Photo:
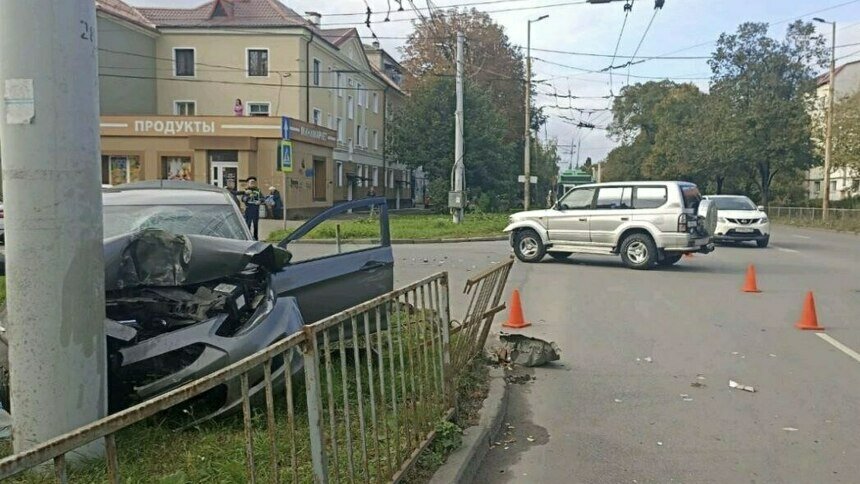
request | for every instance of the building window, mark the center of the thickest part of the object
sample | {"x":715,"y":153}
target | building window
{"x":184,"y":108}
{"x":329,"y":122}
{"x":375,"y":176}
{"x":366,"y":141}
{"x":176,"y":168}
{"x":832,"y":187}
{"x":183,"y":62}
{"x":317,"y":117}
{"x":258,"y":109}
{"x":350,"y":109}
{"x":120,"y":169}
{"x":375,"y":139}
{"x":340,"y":173}
{"x":338,"y":83}
{"x":855,"y":185}
{"x":816,"y":188}
{"x":360,"y":92}
{"x":316,"y":77}
{"x":339,"y":129}
{"x":376,"y":102}
{"x":358,"y":135}
{"x":258,"y":62}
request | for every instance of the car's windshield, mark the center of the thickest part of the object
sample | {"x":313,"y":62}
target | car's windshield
{"x":734,"y":203}
{"x":212,"y":220}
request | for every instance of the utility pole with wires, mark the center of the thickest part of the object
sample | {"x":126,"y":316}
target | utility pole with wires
{"x":527,"y":162}
{"x":828,"y":136}
{"x":49,"y":127}
{"x":458,"y":190}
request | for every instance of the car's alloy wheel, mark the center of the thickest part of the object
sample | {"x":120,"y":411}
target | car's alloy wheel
{"x":528,"y":246}
{"x":638,"y":251}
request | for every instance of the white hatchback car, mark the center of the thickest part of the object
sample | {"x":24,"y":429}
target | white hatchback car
{"x":740,"y":220}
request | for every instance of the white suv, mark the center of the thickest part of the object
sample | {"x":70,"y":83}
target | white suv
{"x":647,"y":223}
{"x":739,"y":220}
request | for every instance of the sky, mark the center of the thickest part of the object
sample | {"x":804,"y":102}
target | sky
{"x":682,"y":28}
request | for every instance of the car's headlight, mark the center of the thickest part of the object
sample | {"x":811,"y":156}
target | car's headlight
{"x":722,"y":220}
{"x":763,"y":220}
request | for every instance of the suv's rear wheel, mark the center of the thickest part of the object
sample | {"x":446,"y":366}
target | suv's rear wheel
{"x":638,"y":251}
{"x":528,"y":246}
{"x":670,"y":260}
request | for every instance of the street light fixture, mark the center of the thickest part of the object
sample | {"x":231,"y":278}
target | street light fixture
{"x":828,"y":136}
{"x":527,"y":170}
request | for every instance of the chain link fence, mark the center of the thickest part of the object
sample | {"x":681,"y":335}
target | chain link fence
{"x":837,"y":218}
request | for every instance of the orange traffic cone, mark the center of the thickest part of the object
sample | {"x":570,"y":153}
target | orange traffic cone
{"x":808,"y":318}
{"x":750,"y":284}
{"x":515,"y":317}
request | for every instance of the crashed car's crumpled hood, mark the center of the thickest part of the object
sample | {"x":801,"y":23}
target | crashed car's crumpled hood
{"x":155,"y":257}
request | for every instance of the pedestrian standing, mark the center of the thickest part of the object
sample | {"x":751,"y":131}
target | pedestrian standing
{"x":238,"y":108}
{"x":252,"y":198}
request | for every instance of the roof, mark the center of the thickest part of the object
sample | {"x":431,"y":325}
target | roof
{"x":229,"y":13}
{"x":339,"y":36}
{"x":824,"y":79}
{"x":124,"y":11}
{"x":165,"y":192}
{"x":381,"y":75}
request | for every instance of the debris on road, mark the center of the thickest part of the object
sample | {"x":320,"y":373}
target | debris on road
{"x":618,"y":400}
{"x":527,"y":351}
{"x":686,"y":397}
{"x":697,"y":384}
{"x":789,"y":429}
{"x":518,"y":379}
{"x":746,"y":388}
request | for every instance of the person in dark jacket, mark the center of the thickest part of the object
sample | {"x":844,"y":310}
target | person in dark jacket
{"x":253,"y":198}
{"x":274,"y":203}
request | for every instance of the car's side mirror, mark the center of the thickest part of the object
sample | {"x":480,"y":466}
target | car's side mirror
{"x":760,"y":208}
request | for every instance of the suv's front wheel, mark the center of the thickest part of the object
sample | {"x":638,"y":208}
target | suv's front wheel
{"x":528,"y":246}
{"x":638,"y":251}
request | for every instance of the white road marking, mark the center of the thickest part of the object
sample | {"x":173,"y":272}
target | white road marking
{"x":839,"y":346}
{"x":801,"y":236}
{"x":790,"y":251}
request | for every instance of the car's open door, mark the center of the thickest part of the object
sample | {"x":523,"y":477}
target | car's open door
{"x":327,"y":277}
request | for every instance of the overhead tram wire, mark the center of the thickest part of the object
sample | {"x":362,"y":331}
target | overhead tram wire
{"x":628,"y":7}
{"x":639,"y":46}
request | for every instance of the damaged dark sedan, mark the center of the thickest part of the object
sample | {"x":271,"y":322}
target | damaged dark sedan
{"x":188,"y":291}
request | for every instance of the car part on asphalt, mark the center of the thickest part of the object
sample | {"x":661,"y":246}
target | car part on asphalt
{"x":527,"y":351}
{"x":746,"y":388}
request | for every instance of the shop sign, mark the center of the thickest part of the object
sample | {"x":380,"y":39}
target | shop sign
{"x":171,"y":128}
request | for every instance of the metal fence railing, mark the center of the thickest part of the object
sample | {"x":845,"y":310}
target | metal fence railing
{"x":814,"y":214}
{"x":377,"y":379}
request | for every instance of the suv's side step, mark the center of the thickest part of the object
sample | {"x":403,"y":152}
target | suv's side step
{"x":579,"y":249}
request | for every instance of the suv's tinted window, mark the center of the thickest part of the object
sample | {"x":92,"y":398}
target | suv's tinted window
{"x":578,"y":199}
{"x":649,"y":197}
{"x":614,"y":198}
{"x":691,"y":196}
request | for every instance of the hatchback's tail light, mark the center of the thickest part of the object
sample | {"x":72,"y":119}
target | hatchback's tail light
{"x":682,"y":222}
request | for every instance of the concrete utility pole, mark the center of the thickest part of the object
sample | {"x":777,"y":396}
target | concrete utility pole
{"x":49,"y":130}
{"x":527,"y":155}
{"x":459,"y":166}
{"x":828,"y":136}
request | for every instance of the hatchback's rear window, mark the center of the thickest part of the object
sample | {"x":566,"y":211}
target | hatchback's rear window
{"x":692,"y":197}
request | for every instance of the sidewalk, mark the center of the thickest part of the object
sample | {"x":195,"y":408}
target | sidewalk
{"x":268,"y":225}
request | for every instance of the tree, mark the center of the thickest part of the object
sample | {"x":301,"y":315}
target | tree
{"x":767,"y":87}
{"x":421,"y":133}
{"x":491,"y":63}
{"x":846,"y":133}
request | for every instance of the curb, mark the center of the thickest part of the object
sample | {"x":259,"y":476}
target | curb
{"x":403,"y":241}
{"x":463,"y":464}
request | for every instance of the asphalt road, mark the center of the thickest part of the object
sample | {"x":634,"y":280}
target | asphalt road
{"x":605,"y":415}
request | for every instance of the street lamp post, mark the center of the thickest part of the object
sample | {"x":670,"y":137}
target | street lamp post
{"x":828,"y":136}
{"x":527,"y":169}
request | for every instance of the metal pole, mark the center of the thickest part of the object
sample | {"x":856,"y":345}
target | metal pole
{"x":828,"y":142}
{"x":599,"y":172}
{"x":337,"y":237}
{"x":49,"y":127}
{"x":459,"y":167}
{"x":527,"y":170}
